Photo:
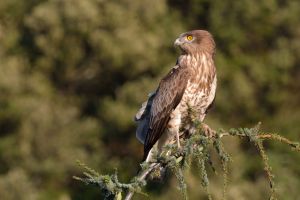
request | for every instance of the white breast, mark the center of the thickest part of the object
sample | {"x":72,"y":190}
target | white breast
{"x":196,"y":99}
{"x":201,"y":88}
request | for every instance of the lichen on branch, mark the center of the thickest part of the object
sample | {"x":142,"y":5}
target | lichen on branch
{"x":194,"y":149}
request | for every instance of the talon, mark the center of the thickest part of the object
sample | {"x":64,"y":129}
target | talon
{"x":179,"y":153}
{"x":208,"y":132}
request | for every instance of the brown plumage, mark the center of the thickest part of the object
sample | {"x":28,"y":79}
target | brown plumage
{"x":191,"y":83}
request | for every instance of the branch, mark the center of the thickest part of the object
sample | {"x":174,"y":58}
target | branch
{"x":142,"y":177}
{"x":248,"y":133}
{"x":196,"y":147}
{"x":269,"y":136}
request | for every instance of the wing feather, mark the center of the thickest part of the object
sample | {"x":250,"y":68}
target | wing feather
{"x":168,"y":96}
{"x":142,"y":118}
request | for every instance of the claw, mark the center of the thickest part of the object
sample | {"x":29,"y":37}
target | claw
{"x":208,"y":132}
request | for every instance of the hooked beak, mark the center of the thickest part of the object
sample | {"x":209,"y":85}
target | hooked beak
{"x":177,"y":42}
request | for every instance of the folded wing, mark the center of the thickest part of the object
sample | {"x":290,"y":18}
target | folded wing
{"x":166,"y":99}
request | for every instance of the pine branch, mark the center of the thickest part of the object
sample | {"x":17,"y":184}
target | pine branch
{"x":195,"y":148}
{"x":142,"y":177}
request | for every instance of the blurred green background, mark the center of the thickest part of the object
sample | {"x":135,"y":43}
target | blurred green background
{"x":74,"y":72}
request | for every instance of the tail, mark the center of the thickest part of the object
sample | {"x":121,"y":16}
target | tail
{"x":142,"y":118}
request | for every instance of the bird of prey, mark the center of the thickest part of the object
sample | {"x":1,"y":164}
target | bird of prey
{"x":190,"y":84}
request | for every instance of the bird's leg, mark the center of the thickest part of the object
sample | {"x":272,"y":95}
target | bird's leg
{"x":174,"y":125}
{"x":177,"y":139}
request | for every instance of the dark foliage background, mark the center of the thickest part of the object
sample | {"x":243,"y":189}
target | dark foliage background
{"x":73,"y":73}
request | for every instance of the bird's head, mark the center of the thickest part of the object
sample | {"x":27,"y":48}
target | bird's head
{"x":194,"y":41}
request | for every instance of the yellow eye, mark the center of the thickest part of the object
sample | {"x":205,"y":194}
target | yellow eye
{"x":189,"y":37}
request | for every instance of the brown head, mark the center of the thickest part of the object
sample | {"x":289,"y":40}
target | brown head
{"x":196,"y":41}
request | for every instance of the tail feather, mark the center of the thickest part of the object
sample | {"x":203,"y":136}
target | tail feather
{"x":143,"y":118}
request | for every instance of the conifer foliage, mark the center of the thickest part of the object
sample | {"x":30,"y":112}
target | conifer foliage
{"x":74,"y":72}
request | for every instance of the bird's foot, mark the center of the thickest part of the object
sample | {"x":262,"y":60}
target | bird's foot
{"x":158,"y":174}
{"x":208,"y":132}
{"x":179,"y":152}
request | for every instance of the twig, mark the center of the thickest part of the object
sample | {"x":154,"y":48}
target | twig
{"x":270,"y":136}
{"x":263,"y":136}
{"x":143,"y":175}
{"x":193,"y":149}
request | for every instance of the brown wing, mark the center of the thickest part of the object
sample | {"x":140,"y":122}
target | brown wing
{"x":168,"y":96}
